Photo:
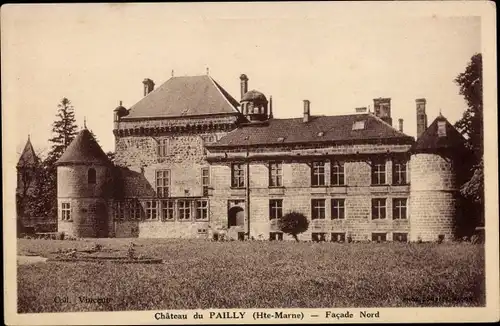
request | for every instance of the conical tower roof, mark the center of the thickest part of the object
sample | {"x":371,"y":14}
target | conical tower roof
{"x":84,"y":149}
{"x":440,"y":135}
{"x":28,"y":157}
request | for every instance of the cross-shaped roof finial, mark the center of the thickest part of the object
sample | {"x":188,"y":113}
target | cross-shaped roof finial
{"x":85,"y":122}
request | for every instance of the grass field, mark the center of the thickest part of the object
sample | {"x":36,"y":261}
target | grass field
{"x":201,"y":274}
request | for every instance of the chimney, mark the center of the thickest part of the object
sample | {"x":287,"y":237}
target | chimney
{"x":149,"y":85}
{"x":270,"y":107}
{"x":400,"y":125}
{"x":382,"y":109}
{"x":307,"y":111}
{"x":361,"y":110}
{"x":421,"y":116}
{"x":244,"y":84}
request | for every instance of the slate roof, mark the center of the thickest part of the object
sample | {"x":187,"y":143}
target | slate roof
{"x":28,"y":157}
{"x":429,"y":140}
{"x":84,"y":149}
{"x":185,"y":96}
{"x":319,"y":129}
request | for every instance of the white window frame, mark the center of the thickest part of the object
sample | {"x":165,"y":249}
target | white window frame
{"x":318,"y":205}
{"x":318,"y":174}
{"x":167,"y":210}
{"x":379,"y":173}
{"x":400,"y":205}
{"x":275,"y":209}
{"x":202,"y":210}
{"x":162,"y":181}
{"x":275,"y":174}
{"x":338,"y":205}
{"x":338,"y":173}
{"x":399,"y":174}
{"x":151,"y":210}
{"x":184,"y":210}
{"x":66,"y":211}
{"x":163,"y":147}
{"x":379,"y":208}
{"x":237,"y":175}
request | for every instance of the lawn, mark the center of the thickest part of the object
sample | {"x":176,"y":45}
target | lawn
{"x":254,"y":274}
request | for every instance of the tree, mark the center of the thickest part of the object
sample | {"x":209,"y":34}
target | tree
{"x":293,"y":223}
{"x":64,"y":129}
{"x":470,"y":125}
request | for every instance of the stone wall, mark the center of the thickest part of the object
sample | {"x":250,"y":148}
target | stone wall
{"x":434,"y":195}
{"x":297,"y":193}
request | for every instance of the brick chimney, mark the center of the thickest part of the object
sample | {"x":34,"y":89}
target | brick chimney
{"x":149,"y":85}
{"x":421,"y":116}
{"x":400,"y":125}
{"x":243,"y":84}
{"x":382,"y":108}
{"x":307,"y":110}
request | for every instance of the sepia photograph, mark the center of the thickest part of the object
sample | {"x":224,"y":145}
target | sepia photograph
{"x":249,"y":162}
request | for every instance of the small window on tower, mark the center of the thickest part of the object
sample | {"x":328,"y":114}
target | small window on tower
{"x":92,"y":176}
{"x":358,"y":125}
{"x":441,"y":128}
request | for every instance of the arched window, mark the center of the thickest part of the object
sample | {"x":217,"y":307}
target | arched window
{"x":91,"y":176}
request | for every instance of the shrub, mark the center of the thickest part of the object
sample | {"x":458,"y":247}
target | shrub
{"x":293,"y":223}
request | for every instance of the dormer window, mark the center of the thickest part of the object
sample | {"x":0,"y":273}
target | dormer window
{"x":320,"y":134}
{"x":281,"y":139}
{"x":441,"y":129}
{"x":358,"y":125}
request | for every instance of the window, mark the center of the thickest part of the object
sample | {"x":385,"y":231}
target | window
{"x":136,"y":211}
{"x":318,"y":174}
{"x":399,"y":172}
{"x":237,"y":176}
{"x":441,"y":129}
{"x":318,"y":209}
{"x":338,"y":174}
{"x":92,"y":176}
{"x":275,"y":175}
{"x":399,"y":208}
{"x":338,"y":209}
{"x":378,"y":208}
{"x":275,"y":209}
{"x":318,"y":236}
{"x":167,"y":210}
{"x":358,"y":125}
{"x":119,"y":210}
{"x":400,"y":237}
{"x":162,"y":183}
{"x":163,"y":148}
{"x":65,"y":211}
{"x":184,"y":210}
{"x":202,"y":209}
{"x":276,"y":236}
{"x":378,"y":173}
{"x":338,"y":237}
{"x":379,"y":237}
{"x":205,"y":177}
{"x":151,"y":210}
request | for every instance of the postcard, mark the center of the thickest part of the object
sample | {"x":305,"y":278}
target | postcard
{"x":246,"y":163}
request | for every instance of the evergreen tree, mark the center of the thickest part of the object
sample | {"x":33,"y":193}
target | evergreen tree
{"x":64,"y":129}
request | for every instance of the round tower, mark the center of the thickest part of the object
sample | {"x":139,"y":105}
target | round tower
{"x":434,"y":187}
{"x":83,"y":184}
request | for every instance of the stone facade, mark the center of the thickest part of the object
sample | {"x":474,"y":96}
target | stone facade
{"x":173,"y":177}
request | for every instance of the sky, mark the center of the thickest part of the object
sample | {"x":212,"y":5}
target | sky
{"x":336,"y":55}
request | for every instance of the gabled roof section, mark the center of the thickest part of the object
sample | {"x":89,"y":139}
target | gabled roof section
{"x":434,"y":139}
{"x":28,"y":157}
{"x":319,"y":129}
{"x":185,"y":96}
{"x":84,"y":149}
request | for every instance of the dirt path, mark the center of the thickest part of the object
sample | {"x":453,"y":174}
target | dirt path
{"x":26,"y":260}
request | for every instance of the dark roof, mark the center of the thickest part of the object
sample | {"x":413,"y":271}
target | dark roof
{"x":254,"y":95}
{"x":429,"y":140}
{"x":28,"y":157}
{"x":185,"y":96}
{"x":84,"y":149}
{"x":319,"y":129}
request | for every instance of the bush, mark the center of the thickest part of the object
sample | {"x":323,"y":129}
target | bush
{"x":293,"y":223}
